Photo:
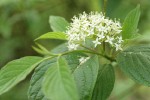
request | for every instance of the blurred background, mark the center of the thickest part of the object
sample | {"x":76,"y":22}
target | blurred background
{"x":21,"y":21}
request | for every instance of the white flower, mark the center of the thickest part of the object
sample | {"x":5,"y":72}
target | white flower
{"x":118,"y":46}
{"x":109,"y":39}
{"x":101,"y":35}
{"x":72,"y":46}
{"x":83,"y":60}
{"x":90,"y":32}
{"x":96,"y":27}
{"x":120,"y":39}
{"x":96,"y":42}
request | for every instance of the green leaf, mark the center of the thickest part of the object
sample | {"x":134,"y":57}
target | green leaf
{"x":85,"y":76}
{"x":58,"y":24}
{"x":53,"y":35}
{"x":58,"y":83}
{"x":73,"y":60}
{"x":60,"y":48}
{"x":35,"y":89}
{"x":15,"y":71}
{"x":41,"y":50}
{"x":130,"y":24}
{"x":135,"y":62}
{"x":35,"y":92}
{"x":105,"y":83}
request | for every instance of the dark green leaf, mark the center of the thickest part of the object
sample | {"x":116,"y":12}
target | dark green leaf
{"x":59,"y":49}
{"x":105,"y":83}
{"x":135,"y":62}
{"x":73,"y":60}
{"x":58,"y":24}
{"x":58,"y":83}
{"x":53,"y":35}
{"x":130,"y":24}
{"x":85,"y":77}
{"x":15,"y":71}
{"x":35,"y":89}
{"x":35,"y":92}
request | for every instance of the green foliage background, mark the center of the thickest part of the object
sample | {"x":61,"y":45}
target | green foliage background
{"x":21,"y":21}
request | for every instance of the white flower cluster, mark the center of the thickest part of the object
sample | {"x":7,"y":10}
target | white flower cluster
{"x":95,"y":26}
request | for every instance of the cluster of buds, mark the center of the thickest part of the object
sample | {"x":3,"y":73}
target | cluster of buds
{"x":96,"y":27}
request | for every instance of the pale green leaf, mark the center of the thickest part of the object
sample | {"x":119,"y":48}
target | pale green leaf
{"x":130,"y":24}
{"x":85,"y":76}
{"x":135,"y":62}
{"x":58,"y":83}
{"x":58,"y":24}
{"x":41,"y":50}
{"x":105,"y":83}
{"x":15,"y":71}
{"x":53,"y":35}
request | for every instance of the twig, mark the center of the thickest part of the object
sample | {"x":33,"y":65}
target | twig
{"x":104,"y":6}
